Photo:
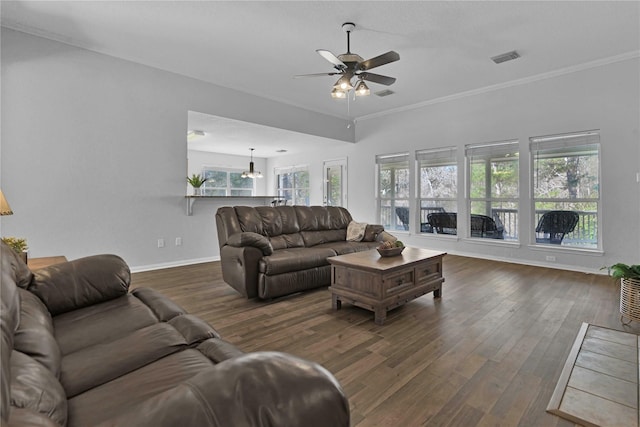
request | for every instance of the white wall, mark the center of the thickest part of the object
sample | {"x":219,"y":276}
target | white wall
{"x":93,"y":155}
{"x":605,"y":98}
{"x":93,"y":152}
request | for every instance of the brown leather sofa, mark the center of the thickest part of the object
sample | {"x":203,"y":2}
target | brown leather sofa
{"x":268,"y":252}
{"x":79,"y":349}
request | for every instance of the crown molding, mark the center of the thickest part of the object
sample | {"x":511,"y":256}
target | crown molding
{"x":518,"y":82}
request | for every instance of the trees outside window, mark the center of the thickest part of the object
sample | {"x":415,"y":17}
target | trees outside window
{"x":566,"y":177}
{"x":393,"y":190}
{"x":437,"y":183}
{"x":225,"y":182}
{"x":493,"y":188}
{"x":292,"y":184}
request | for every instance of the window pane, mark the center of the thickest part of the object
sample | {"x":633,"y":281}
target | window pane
{"x":438,"y":181}
{"x":385,"y":186}
{"x":493,"y":190}
{"x":566,"y":189}
{"x":214,"y":192}
{"x":504,"y":178}
{"x":237,"y":181}
{"x":216,"y":178}
{"x":301,"y":179}
{"x":241,"y":192}
{"x":566,"y":177}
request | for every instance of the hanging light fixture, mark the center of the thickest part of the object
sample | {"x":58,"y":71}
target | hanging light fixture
{"x":251,"y":173}
{"x":362,"y":89}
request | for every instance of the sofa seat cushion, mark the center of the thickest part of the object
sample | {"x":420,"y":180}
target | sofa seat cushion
{"x":93,"y":366}
{"x":128,"y":391}
{"x":101,"y":323}
{"x":341,"y":248}
{"x":295,"y":259}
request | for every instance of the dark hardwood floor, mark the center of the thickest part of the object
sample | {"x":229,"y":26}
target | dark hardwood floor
{"x":488,"y":353}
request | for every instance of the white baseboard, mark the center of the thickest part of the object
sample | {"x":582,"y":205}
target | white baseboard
{"x":150,"y":267}
{"x":532,"y":263}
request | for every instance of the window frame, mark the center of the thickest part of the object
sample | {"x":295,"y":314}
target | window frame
{"x":401,"y":159}
{"x":494,"y":150}
{"x":579,"y":142}
{"x":434,"y":157}
{"x":228,"y":189}
{"x":294,"y":190}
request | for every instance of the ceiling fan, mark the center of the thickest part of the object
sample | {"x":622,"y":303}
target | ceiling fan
{"x":351,"y":65}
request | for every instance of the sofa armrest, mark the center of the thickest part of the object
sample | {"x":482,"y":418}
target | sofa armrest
{"x":253,"y":390}
{"x":240,"y":268}
{"x":247,"y":238}
{"x":80,"y":283}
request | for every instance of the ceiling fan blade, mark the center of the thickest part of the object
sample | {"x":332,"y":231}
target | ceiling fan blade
{"x":377,"y":78}
{"x":316,"y":75}
{"x":331,"y":58}
{"x":379,"y":60}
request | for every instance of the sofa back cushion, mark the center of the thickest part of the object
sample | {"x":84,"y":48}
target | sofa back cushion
{"x":35,"y":388}
{"x":320,"y":224}
{"x":249,"y":219}
{"x":9,"y":319}
{"x":35,"y":336}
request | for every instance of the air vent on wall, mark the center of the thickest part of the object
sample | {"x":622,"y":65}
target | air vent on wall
{"x":385,"y":92}
{"x":505,"y":57}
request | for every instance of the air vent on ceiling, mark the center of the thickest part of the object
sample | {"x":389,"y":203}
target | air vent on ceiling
{"x":385,"y":92}
{"x":505,"y":57}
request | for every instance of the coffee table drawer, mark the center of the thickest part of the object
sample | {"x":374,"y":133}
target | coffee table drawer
{"x":398,"y":282}
{"x":428,"y":271}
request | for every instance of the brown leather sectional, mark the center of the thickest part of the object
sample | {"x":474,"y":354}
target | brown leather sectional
{"x":79,"y":349}
{"x":268,"y":252}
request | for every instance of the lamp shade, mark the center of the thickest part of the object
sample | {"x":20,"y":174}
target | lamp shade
{"x":5,"y":209}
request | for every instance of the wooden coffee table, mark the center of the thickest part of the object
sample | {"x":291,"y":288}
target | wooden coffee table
{"x":379,"y":284}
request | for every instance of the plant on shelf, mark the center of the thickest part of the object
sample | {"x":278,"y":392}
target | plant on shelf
{"x":196,"y":182}
{"x":18,"y":245}
{"x":629,"y":276}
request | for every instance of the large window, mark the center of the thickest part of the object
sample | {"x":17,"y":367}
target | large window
{"x":393,"y":191}
{"x":225,"y":182}
{"x":437,"y":183}
{"x":566,"y":189}
{"x":292,"y":185}
{"x":493,"y":189}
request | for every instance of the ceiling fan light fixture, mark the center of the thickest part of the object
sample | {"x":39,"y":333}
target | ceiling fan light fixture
{"x":362,"y":89}
{"x":338,"y":93}
{"x":344,"y":83}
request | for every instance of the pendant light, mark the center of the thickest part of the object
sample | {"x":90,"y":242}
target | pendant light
{"x":251,"y":173}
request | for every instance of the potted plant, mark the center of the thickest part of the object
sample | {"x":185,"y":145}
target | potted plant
{"x":196,"y":182}
{"x":629,"y":276}
{"x":18,"y":245}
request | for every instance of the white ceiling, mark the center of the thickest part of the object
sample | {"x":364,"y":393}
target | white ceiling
{"x":258,"y":46}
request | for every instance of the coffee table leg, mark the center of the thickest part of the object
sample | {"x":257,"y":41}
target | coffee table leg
{"x":380,"y":314}
{"x":336,"y":304}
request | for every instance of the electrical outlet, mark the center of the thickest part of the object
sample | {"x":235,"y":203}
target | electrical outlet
{"x":161,"y":243}
{"x":178,"y":241}
{"x":551,"y":258}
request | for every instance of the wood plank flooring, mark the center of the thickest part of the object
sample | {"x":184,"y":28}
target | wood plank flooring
{"x":488,"y":353}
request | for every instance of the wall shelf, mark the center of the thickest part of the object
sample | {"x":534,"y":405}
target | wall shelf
{"x":191,"y":200}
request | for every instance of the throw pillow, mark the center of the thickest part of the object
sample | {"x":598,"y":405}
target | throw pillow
{"x":371,"y":232}
{"x":355,"y":231}
{"x":386,"y":237}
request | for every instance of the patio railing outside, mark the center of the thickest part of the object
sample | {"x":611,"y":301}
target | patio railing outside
{"x":585,"y":234}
